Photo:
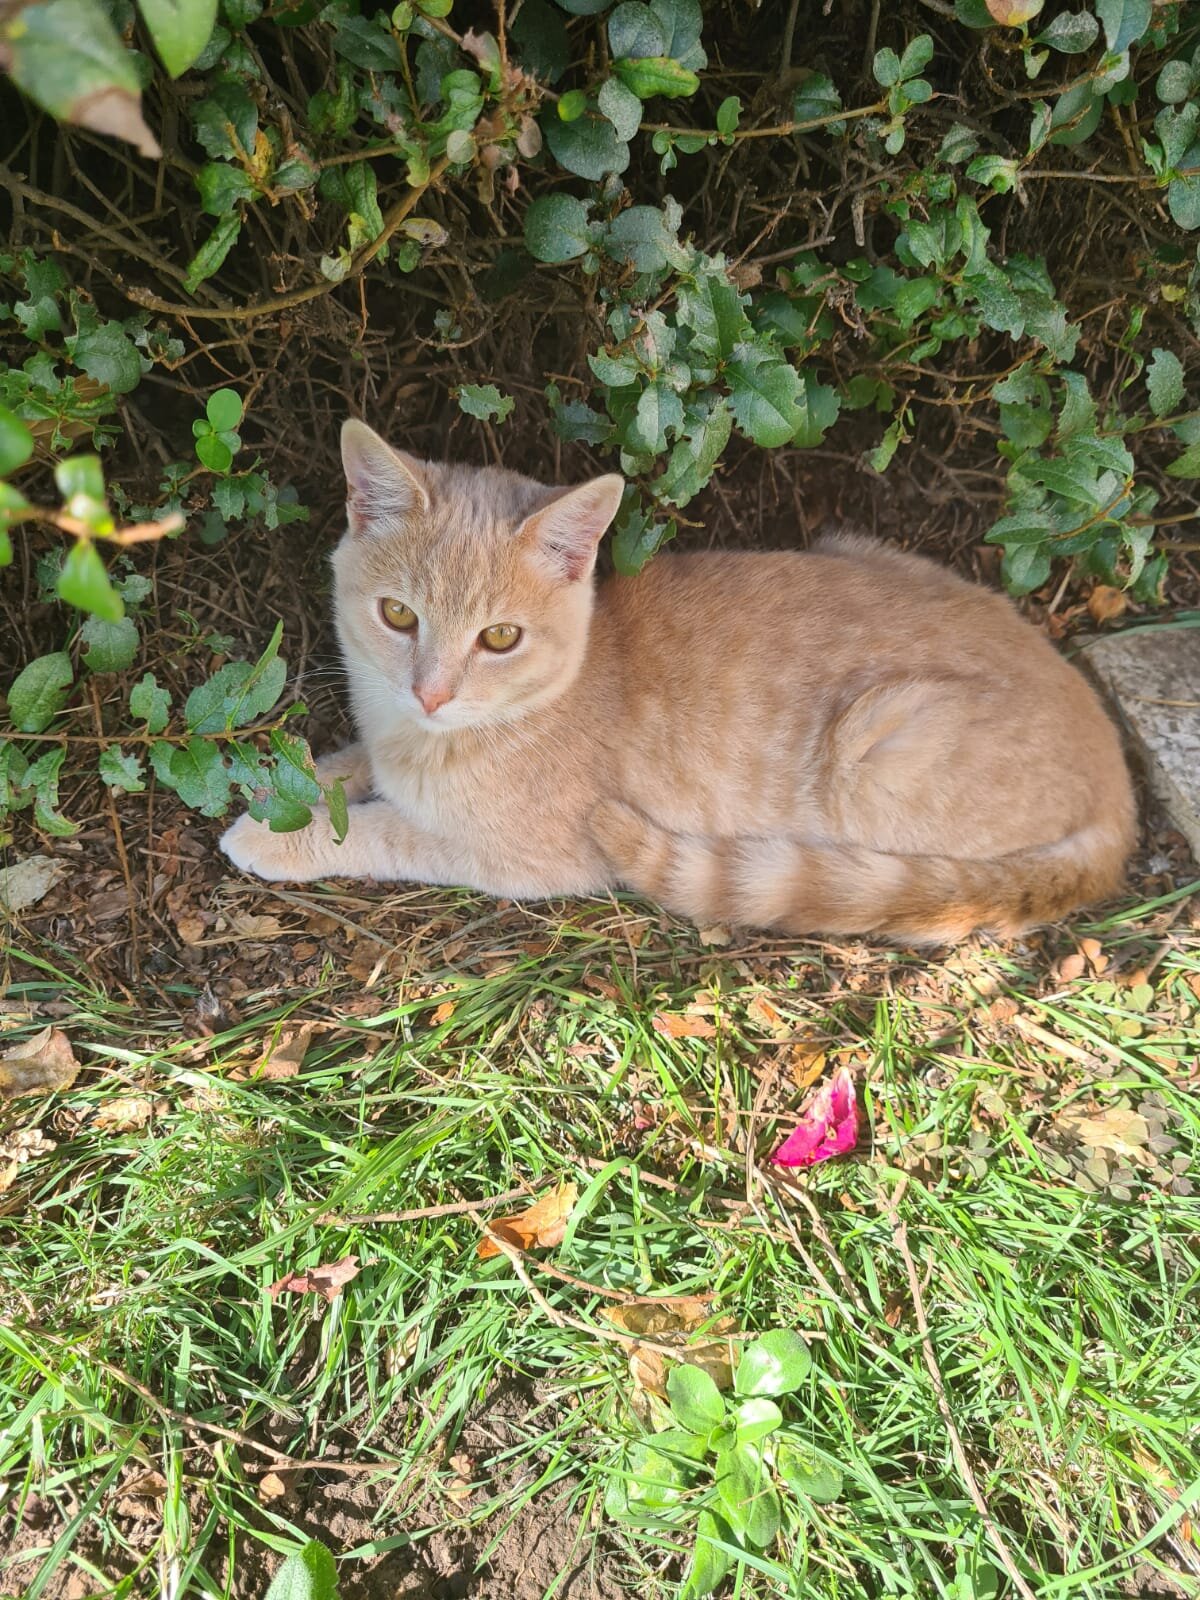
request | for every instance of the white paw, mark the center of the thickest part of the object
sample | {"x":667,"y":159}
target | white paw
{"x":254,"y":848}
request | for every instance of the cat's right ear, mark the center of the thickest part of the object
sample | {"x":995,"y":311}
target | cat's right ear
{"x":383,"y":485}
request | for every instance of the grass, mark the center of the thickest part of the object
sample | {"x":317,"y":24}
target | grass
{"x":138,"y":1336}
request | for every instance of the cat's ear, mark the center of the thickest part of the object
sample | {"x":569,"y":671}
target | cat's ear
{"x":564,"y":533}
{"x":383,"y":485}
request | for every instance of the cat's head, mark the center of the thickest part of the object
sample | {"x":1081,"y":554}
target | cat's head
{"x":463,"y":595}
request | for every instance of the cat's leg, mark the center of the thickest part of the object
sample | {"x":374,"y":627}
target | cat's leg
{"x":353,"y":766}
{"x":380,"y":844}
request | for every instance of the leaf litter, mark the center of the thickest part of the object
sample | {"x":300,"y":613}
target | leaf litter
{"x":540,"y":1226}
{"x":44,"y":1064}
{"x":327,"y":1280}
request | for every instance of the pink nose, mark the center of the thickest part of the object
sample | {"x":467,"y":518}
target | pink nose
{"x":431,"y":699}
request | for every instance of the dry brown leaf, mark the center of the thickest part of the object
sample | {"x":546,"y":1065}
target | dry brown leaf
{"x":1192,"y":979}
{"x":327,"y":1280}
{"x":1071,"y":967}
{"x":247,"y":925}
{"x":766,"y":1014}
{"x":718,"y":937}
{"x":648,"y":1318}
{"x":1118,"y":1129}
{"x":26,"y":882}
{"x":41,"y":1065}
{"x":459,"y":1486}
{"x":1105,"y":603}
{"x":676,"y":1026}
{"x":1002,"y":1010}
{"x":142,"y":1496}
{"x":1094,"y":954}
{"x":274,"y":1485}
{"x":282,"y":1057}
{"x":540,"y":1227}
{"x":443,"y":1013}
{"x":18,"y":1147}
{"x":127,"y":1113}
{"x":671,"y":1322}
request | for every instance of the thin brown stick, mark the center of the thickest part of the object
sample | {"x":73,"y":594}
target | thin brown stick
{"x":452,"y":1208}
{"x":999,"y":1543}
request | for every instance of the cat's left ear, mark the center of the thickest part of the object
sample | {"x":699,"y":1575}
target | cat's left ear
{"x":564,"y":534}
{"x":382,"y":484}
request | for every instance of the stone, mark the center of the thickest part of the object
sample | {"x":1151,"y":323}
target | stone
{"x":1153,"y":677}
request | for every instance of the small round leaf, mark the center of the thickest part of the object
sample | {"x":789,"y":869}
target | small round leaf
{"x":695,"y":1399}
{"x":224,"y":409}
{"x":775,"y":1364}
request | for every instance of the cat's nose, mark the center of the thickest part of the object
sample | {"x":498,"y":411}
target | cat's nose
{"x":432,"y":698}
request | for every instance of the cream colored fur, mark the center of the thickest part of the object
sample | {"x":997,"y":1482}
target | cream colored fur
{"x":851,"y":740}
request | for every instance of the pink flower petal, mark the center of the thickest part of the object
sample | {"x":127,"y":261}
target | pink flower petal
{"x":828,"y":1125}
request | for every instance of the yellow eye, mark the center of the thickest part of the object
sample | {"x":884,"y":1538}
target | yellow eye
{"x":397,"y":615}
{"x":500,"y":636}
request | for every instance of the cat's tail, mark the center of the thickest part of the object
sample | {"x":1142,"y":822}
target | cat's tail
{"x":809,"y":886}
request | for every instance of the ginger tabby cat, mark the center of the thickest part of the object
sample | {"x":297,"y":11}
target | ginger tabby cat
{"x":850,"y":740}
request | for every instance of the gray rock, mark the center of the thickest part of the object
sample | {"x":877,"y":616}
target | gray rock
{"x":1153,"y":676}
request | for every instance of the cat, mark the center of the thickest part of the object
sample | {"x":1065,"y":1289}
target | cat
{"x":850,"y":740}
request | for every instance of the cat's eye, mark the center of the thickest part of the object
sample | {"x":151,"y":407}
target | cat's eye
{"x":500,"y":636}
{"x":397,"y":615}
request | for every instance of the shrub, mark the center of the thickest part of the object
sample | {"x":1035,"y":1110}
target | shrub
{"x":660,"y":236}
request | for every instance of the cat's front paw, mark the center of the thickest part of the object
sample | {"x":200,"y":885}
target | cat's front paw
{"x":279,"y":857}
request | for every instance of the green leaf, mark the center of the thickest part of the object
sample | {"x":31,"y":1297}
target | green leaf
{"x":212,"y":252}
{"x":658,"y":409}
{"x":109,"y":646}
{"x":806,"y":1473}
{"x":39,"y":692}
{"x":339,"y":811}
{"x":1175,"y":82}
{"x":42,"y":778}
{"x":764,"y":393}
{"x":1125,"y":21}
{"x":710,"y":1563}
{"x":655,"y":1480}
{"x":80,"y":477}
{"x":636,"y":538}
{"x":222,"y":187}
{"x":180,"y":30}
{"x":712,"y":307}
{"x":816,"y":99}
{"x":226,"y":120}
{"x":777,"y":1363}
{"x":634,"y":30}
{"x":485,"y":401}
{"x":681,"y":22}
{"x":224,"y":409}
{"x":542,"y":36}
{"x":886,"y":67}
{"x":695,"y":1399}
{"x":589,"y":148}
{"x":1187,"y":465}
{"x":238,"y":693}
{"x":572,"y":105}
{"x":556,"y":228}
{"x":819,"y":407}
{"x":214,"y":453}
{"x":729,"y":114}
{"x":83,"y":581}
{"x":1164,"y":382}
{"x":197,"y":773}
{"x":1183,"y":193}
{"x":693,"y":458}
{"x":150,"y":703}
{"x":105,"y":352}
{"x":648,"y":76}
{"x":1025,"y":567}
{"x":121,"y":770}
{"x":641,"y":237}
{"x":16,"y":442}
{"x":67,"y":56}
{"x":621,"y":106}
{"x":1071,"y":33}
{"x":369,"y":43}
{"x":756,"y":1418}
{"x":918,"y":53}
{"x":748,"y":1500}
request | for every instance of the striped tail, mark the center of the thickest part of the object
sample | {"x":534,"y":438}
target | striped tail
{"x":809,"y":886}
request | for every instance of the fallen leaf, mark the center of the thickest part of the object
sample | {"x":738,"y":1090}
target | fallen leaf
{"x":274,"y":1485}
{"x":18,"y":1147}
{"x":327,"y":1281}
{"x":806,"y":1061}
{"x":676,"y":1026}
{"x":1093,"y":954}
{"x":1105,"y":603}
{"x":1071,"y":967}
{"x":670,"y":1323}
{"x":1002,"y":1010}
{"x":26,"y":882}
{"x":142,"y":1496}
{"x":443,"y":1013}
{"x":539,"y":1227}
{"x":828,"y":1125}
{"x":718,"y":936}
{"x":282,"y":1057}
{"x":1118,"y":1129}
{"x":41,"y":1065}
{"x":127,"y":1113}
{"x":246,"y":925}
{"x":649,"y":1318}
{"x":767,"y":1015}
{"x":458,"y":1487}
